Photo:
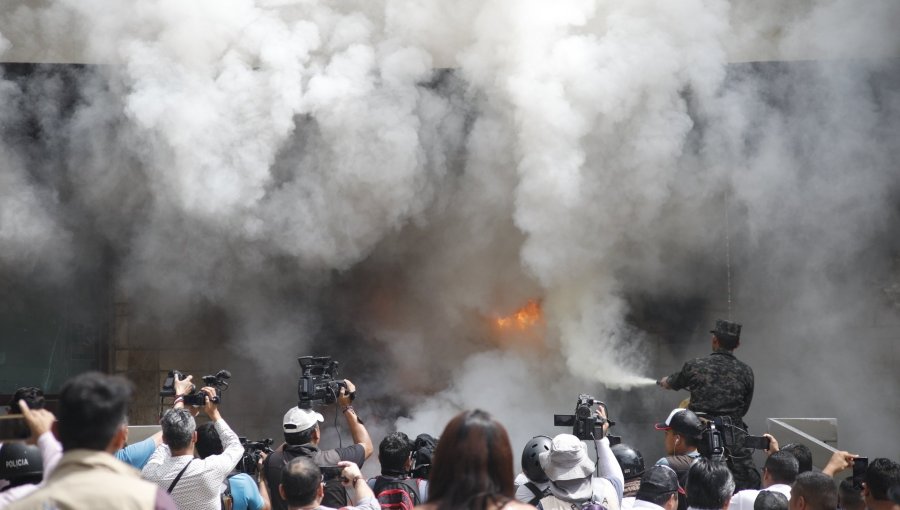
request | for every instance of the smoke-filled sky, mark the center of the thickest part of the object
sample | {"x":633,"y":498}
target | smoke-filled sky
{"x":313,"y":171}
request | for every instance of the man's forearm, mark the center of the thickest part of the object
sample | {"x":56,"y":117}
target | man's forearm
{"x":358,"y":431}
{"x":264,"y":493}
{"x":51,"y":452}
{"x":609,"y":467}
{"x":362,"y":489}
{"x":231,"y":443}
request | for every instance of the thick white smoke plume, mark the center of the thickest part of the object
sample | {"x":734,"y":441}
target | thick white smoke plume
{"x":381,"y":180}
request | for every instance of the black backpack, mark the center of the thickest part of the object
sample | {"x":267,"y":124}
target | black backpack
{"x":396,"y":493}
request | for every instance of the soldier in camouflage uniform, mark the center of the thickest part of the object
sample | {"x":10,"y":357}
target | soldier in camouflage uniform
{"x":721,"y":389}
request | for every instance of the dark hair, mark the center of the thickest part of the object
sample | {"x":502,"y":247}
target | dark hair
{"x":208,"y":442}
{"x":729,"y":344}
{"x":850,"y":497}
{"x":92,"y":407}
{"x":783,"y":467}
{"x":881,"y":475}
{"x":393,"y":452}
{"x":298,"y":438}
{"x":770,"y":500}
{"x":658,"y":499}
{"x":816,"y":489}
{"x":709,"y":484}
{"x":802,"y":454}
{"x":178,"y":428}
{"x":472,"y":464}
{"x":689,"y":441}
{"x":32,"y":395}
{"x":300,"y":478}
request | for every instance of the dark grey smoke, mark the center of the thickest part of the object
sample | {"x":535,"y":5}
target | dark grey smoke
{"x":302,"y":178}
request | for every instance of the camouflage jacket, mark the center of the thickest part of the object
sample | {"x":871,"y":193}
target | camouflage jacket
{"x":720,"y":384}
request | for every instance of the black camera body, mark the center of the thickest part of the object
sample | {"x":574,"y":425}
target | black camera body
{"x":712,"y":442}
{"x":253,"y":451}
{"x":196,"y":397}
{"x":585,"y":423}
{"x":423,"y":451}
{"x":317,"y":384}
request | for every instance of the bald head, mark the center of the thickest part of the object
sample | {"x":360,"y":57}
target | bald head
{"x":300,"y":482}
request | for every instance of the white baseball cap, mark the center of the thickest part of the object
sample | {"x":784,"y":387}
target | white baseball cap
{"x":298,"y":420}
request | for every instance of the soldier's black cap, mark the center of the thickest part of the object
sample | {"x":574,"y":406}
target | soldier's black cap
{"x":728,"y":331}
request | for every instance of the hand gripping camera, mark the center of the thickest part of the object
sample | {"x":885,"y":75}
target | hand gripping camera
{"x":196,"y":397}
{"x":253,"y":451}
{"x":585,"y":423}
{"x":317,"y":384}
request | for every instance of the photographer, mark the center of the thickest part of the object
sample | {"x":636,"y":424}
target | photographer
{"x":241,"y":488}
{"x":395,"y":453}
{"x":571,"y":471}
{"x":193,"y":483}
{"x":302,"y":435}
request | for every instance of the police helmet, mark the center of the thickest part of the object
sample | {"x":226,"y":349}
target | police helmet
{"x":20,"y":460}
{"x":530,"y":464}
{"x":631,"y":460}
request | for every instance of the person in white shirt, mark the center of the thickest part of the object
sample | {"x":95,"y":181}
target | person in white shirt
{"x":779,"y":473}
{"x":34,"y":462}
{"x":571,"y":471}
{"x":193,"y":483}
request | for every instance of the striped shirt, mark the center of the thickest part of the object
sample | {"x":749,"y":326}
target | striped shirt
{"x":201,"y":484}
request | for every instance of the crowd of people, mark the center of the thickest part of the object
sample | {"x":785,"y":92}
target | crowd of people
{"x":80,"y":459}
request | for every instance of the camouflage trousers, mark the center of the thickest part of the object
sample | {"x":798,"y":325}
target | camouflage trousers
{"x":738,"y":458}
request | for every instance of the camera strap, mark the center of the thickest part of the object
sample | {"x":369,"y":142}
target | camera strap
{"x":175,"y":481}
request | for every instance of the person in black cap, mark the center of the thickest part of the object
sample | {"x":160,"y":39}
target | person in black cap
{"x":659,"y":489}
{"x":721,"y":389}
{"x":683,"y":431}
{"x":632,"y":463}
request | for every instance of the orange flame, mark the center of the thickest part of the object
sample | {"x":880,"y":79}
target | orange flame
{"x":521,"y":319}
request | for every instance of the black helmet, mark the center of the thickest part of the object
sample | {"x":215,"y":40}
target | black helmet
{"x":530,"y":464}
{"x":631,"y":460}
{"x":20,"y":460}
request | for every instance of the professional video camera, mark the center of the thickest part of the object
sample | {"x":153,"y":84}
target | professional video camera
{"x":423,"y":451}
{"x":317,"y":384}
{"x":253,"y":451}
{"x":196,"y":397}
{"x":712,"y":442}
{"x":585,"y":423}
